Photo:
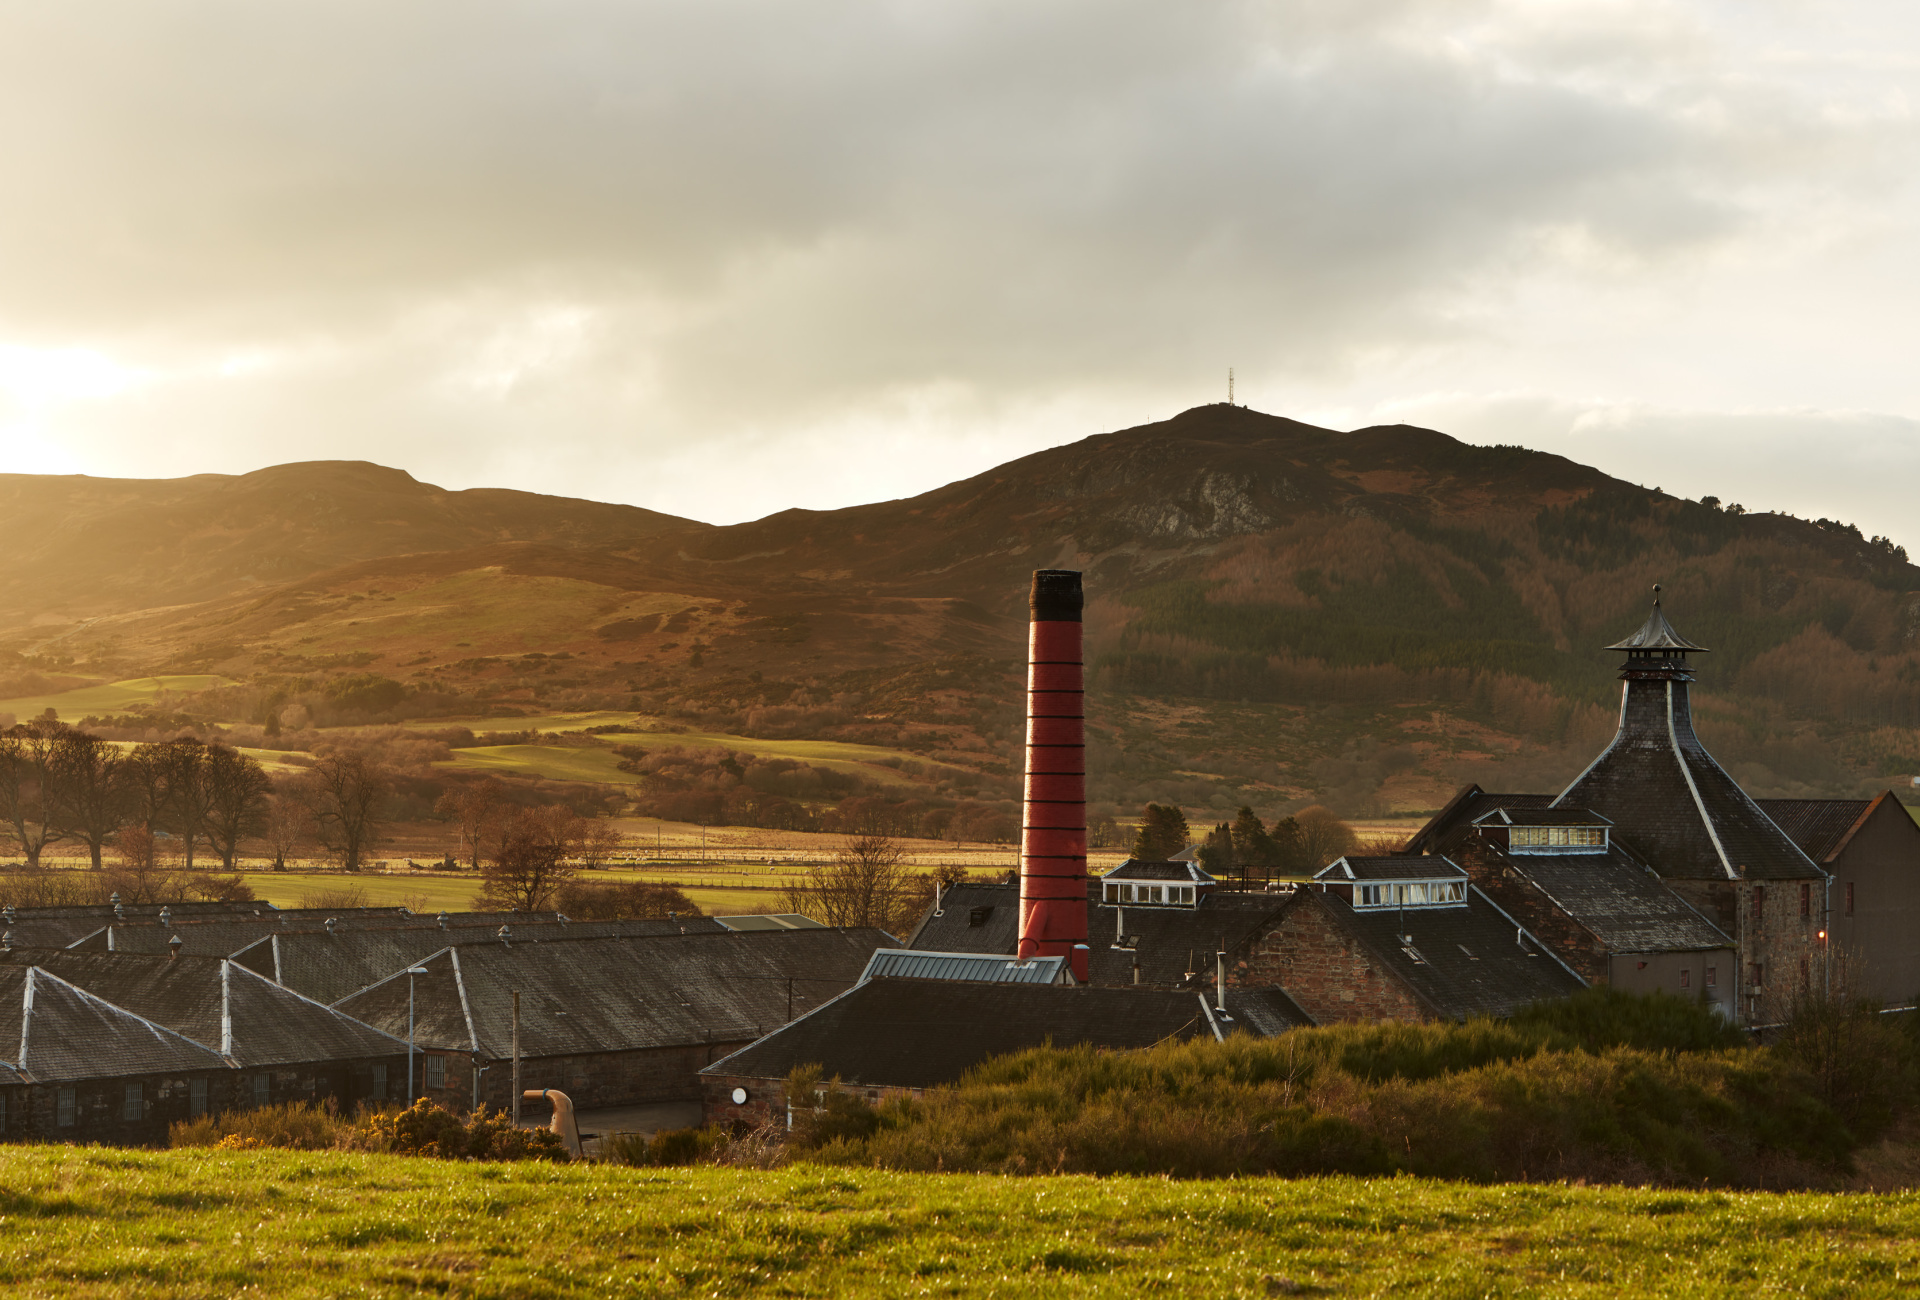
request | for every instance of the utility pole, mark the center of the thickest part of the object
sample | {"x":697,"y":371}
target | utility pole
{"x":1229,"y":385}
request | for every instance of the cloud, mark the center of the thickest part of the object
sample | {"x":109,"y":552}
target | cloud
{"x":590,"y":240}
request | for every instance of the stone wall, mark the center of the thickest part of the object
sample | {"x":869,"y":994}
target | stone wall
{"x":590,"y":1080}
{"x":1323,"y":969}
{"x":1521,"y":899}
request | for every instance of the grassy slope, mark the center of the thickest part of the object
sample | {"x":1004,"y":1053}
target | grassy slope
{"x":561,"y":764}
{"x":114,"y":697}
{"x":201,"y":1223}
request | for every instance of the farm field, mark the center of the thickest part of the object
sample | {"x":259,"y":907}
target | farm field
{"x":113,"y":697}
{"x":98,"y":1222}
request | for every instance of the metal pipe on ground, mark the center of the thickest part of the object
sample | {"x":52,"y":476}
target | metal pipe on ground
{"x":1053,"y":837}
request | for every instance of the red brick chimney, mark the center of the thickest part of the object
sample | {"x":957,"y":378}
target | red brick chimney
{"x":1053,"y":837}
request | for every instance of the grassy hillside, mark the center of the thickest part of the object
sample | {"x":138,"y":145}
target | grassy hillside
{"x":1278,"y":614}
{"x":204,"y":1223}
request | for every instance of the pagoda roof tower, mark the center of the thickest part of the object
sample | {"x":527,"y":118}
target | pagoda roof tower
{"x":1661,"y":788}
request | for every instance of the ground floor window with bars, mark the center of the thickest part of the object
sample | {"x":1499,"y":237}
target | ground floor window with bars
{"x":262,"y":1089}
{"x":66,"y":1107}
{"x":379,"y":1092}
{"x":436,"y":1072}
{"x":133,"y":1103}
{"x":196,"y":1097}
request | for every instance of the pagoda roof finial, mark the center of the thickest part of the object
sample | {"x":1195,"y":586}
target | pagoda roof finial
{"x":1658,"y":634}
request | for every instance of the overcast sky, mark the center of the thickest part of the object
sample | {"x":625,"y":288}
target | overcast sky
{"x":721,"y":257}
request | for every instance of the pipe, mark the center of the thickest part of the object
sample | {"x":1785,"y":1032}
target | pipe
{"x":562,"y":1117}
{"x":1220,"y":981}
{"x":1053,"y":837}
{"x":514,"y":1087}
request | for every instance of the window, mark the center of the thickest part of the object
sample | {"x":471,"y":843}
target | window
{"x":262,"y":1089}
{"x":196,"y":1098}
{"x":1112,"y":892}
{"x":379,"y":1083}
{"x":1557,"y":837}
{"x":66,"y":1104}
{"x":1155,"y":894}
{"x":436,"y":1072}
{"x":1759,"y":904}
{"x":1370,"y":895}
{"x":1805,"y":978}
{"x":3,"y":1112}
{"x":133,"y":1104}
{"x":1849,"y":898}
{"x":1686,"y":978}
{"x":1754,"y":971}
{"x":1713,"y":976}
{"x":1806,"y":899}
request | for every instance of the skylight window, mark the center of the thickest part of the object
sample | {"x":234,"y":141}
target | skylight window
{"x":1557,"y":837}
{"x":1412,"y":893}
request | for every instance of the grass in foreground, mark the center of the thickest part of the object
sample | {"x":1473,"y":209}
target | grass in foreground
{"x":91,"y":1221}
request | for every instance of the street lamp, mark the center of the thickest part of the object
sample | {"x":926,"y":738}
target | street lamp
{"x":411,"y":972}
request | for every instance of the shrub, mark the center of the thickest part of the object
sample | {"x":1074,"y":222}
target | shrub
{"x":426,"y":1129}
{"x":1603,"y":1017}
{"x":1862,"y":1063}
{"x":300,"y":1126}
{"x":680,"y":1146}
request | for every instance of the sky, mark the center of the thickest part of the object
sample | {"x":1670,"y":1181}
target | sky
{"x":725,"y":257}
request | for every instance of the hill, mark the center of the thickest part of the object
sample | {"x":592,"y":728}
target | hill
{"x":1278,"y":613}
{"x":92,"y":1221}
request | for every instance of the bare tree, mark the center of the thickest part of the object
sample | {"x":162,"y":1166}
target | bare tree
{"x":1323,"y":837}
{"x":289,"y":824}
{"x":865,"y":884}
{"x":347,"y":789}
{"x":236,"y":797}
{"x":478,"y":809}
{"x":91,"y":790}
{"x":531,"y":863}
{"x":600,"y":842}
{"x":177,"y":775}
{"x":27,"y":786}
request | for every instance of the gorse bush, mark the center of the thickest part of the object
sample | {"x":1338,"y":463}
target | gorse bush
{"x":1605,"y":1086}
{"x":679,"y":1146}
{"x":422,"y":1129}
{"x":299,"y":1126}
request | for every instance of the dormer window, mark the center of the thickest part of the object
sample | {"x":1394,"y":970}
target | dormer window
{"x":1411,"y":893}
{"x":1129,"y":893}
{"x":1524,"y":838}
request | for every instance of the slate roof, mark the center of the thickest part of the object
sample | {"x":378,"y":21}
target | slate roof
{"x":1448,"y":829}
{"x":768,"y":921}
{"x":1469,"y":962}
{"x":1265,"y":1012}
{"x":1542,"y":817}
{"x":987,"y":968}
{"x":1657,"y":634}
{"x":1677,"y":807}
{"x":1394,"y":868}
{"x":923,"y":1033}
{"x":1138,"y":869}
{"x":612,"y":995}
{"x":1170,"y":940}
{"x":219,"y":1005}
{"x":48,"y":931}
{"x":1818,"y":826}
{"x":327,"y":967}
{"x":1624,"y":904}
{"x":53,"y":1032}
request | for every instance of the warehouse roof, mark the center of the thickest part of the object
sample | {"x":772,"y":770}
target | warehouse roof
{"x":220,"y":1005}
{"x":910,"y":1033}
{"x":990,"y":968}
{"x":610,"y":995}
{"x":54,"y":1032}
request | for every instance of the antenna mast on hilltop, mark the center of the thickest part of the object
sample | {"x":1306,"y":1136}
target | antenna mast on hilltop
{"x":1229,"y":385}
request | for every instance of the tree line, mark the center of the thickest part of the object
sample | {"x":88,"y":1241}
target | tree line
{"x":1246,"y":851}
{"x":59,"y":784}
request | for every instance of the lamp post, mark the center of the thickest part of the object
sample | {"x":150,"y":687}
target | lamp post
{"x":411,"y":972}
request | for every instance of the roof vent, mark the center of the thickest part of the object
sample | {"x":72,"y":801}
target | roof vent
{"x":505,"y":934}
{"x":166,"y":916}
{"x":977,"y":916}
{"x":6,"y":940}
{"x":329,"y":925}
{"x":173,"y":947}
{"x":443,"y":920}
{"x":8,"y":913}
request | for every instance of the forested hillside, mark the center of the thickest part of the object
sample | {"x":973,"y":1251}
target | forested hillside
{"x":1278,"y":614}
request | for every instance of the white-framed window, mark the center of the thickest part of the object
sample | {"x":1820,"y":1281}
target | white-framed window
{"x":1111,"y":892}
{"x":196,"y":1097}
{"x":436,"y":1072}
{"x":66,"y":1107}
{"x":1557,"y":837}
{"x":133,"y":1104}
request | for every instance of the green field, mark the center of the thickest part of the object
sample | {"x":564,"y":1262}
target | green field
{"x":102,"y":1222}
{"x":115,"y":697}
{"x":432,"y":893}
{"x":596,"y":764}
